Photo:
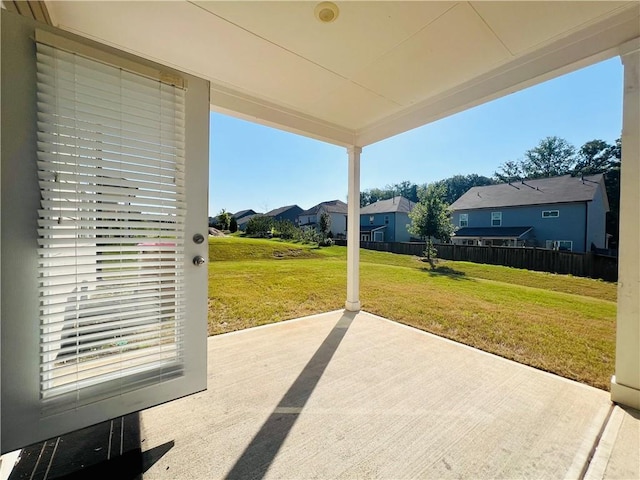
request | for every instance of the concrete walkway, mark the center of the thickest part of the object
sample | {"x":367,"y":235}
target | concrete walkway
{"x":356,"y":396}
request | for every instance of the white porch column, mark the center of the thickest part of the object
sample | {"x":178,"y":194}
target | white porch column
{"x":625,"y":384}
{"x":353,"y":231}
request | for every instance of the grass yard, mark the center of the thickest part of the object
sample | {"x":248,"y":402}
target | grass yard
{"x":558,"y":323}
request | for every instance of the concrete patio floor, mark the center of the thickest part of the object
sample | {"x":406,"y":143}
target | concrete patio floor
{"x":343,"y":395}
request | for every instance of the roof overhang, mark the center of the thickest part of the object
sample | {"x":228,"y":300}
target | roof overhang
{"x":380,"y":69}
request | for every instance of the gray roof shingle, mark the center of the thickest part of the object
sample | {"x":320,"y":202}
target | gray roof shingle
{"x":244,"y":213}
{"x":246,"y":218}
{"x":331,"y":206}
{"x":391,"y":205}
{"x":564,"y":189}
{"x":279,"y":211}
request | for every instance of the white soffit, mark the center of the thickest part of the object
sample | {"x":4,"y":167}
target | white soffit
{"x":542,"y":25}
{"x":380,"y":69}
{"x":454,"y":48}
{"x":363,"y":32}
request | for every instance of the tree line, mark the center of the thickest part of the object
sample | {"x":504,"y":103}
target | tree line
{"x":553,"y":156}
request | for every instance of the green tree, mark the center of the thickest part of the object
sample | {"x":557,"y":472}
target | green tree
{"x":595,"y":156}
{"x":373,"y":195}
{"x":598,"y":156}
{"x":612,"y":183}
{"x":430,"y":218}
{"x":509,"y":171}
{"x":404,"y":189}
{"x":224,"y":219}
{"x":259,"y":226}
{"x":458,"y":185}
{"x":325,"y":224}
{"x":233,"y":225}
{"x":286,"y":229}
{"x":552,"y":157}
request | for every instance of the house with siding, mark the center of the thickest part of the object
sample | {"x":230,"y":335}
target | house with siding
{"x":386,"y":220}
{"x":242,"y":223}
{"x":243,"y":213}
{"x":561,"y":213}
{"x":242,"y":217}
{"x":337,"y":211}
{"x":288,"y":212}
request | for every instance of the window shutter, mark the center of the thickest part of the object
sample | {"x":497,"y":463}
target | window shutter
{"x":111,"y":171}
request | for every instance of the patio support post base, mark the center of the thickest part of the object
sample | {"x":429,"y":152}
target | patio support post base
{"x":352,"y":306}
{"x":624,"y":395}
{"x":353,"y":231}
{"x":625,"y":385}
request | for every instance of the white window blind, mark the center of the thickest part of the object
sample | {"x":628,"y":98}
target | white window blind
{"x":111,"y":242}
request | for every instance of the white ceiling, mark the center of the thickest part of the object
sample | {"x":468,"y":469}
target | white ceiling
{"x":381,"y":68}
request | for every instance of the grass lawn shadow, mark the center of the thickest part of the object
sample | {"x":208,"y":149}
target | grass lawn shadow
{"x":445,"y":271}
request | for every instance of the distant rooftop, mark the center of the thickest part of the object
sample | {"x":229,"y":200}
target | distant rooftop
{"x":279,"y":211}
{"x":244,"y":213}
{"x":391,"y":205}
{"x":246,"y":218}
{"x":331,"y":206}
{"x":564,"y":189}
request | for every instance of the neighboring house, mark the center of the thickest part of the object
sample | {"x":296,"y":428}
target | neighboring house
{"x":243,"y":213}
{"x":386,"y":220}
{"x":290,"y":212}
{"x":242,"y":223}
{"x":242,"y":217}
{"x":337,"y":211}
{"x":238,"y":216}
{"x":563,"y":213}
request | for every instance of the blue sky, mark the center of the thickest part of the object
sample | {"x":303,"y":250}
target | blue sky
{"x":252,"y":166}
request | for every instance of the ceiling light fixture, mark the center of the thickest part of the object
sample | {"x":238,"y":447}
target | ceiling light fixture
{"x":326,"y":12}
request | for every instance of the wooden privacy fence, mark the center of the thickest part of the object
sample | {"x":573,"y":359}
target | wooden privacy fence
{"x":539,"y":259}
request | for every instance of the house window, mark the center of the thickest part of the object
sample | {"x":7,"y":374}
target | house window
{"x":562,"y":245}
{"x":566,"y":245}
{"x":378,"y":236}
{"x":550,"y":213}
{"x":365,"y":237}
{"x":496,"y":219}
{"x":371,"y":218}
{"x":386,"y":219}
{"x":464,"y":220}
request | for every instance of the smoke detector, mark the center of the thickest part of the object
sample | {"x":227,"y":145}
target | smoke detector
{"x":326,"y":12}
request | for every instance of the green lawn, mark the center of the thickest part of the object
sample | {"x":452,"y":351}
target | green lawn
{"x":558,"y":323}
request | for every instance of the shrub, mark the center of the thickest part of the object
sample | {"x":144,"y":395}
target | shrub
{"x":285,"y":229}
{"x":259,"y":226}
{"x":307,"y":235}
{"x":326,"y":242}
